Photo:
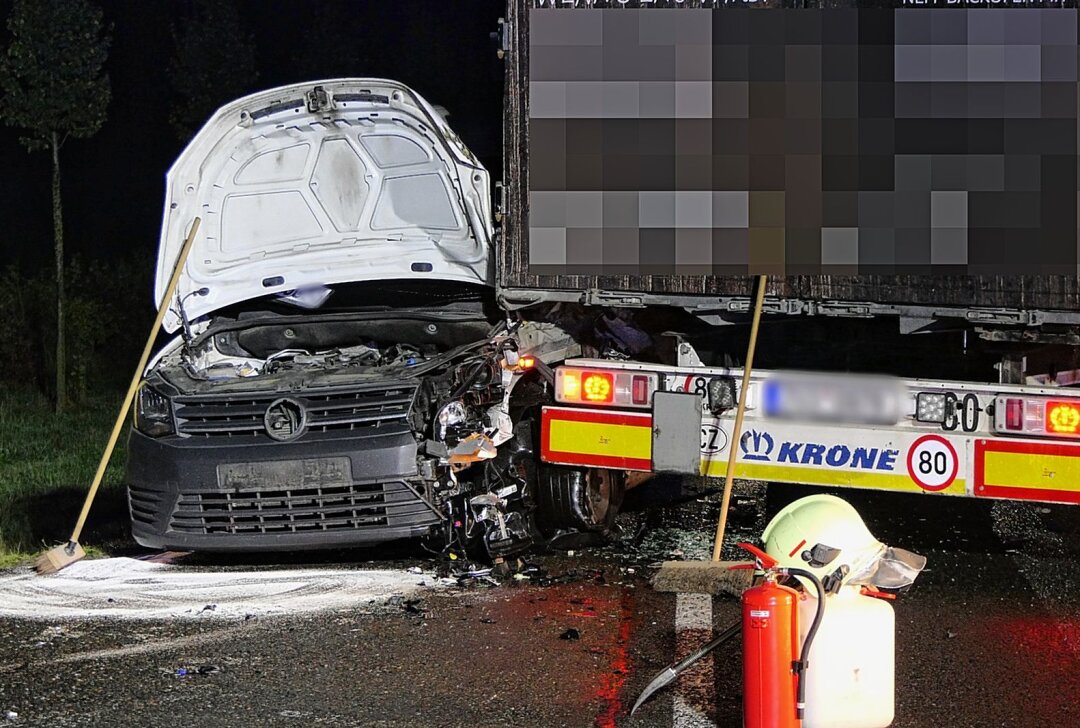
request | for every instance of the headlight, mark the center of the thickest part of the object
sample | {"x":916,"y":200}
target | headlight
{"x":153,"y":412}
{"x":451,"y":416}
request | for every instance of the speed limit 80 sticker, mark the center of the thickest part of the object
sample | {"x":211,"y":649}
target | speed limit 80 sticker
{"x":932,"y":463}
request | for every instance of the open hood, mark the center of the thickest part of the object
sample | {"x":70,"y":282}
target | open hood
{"x":320,"y":183}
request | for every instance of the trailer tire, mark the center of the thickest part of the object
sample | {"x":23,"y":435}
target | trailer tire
{"x":579,"y":499}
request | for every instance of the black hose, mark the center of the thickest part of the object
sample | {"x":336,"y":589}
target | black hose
{"x":800,"y":700}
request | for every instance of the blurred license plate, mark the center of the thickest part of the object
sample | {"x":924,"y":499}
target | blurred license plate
{"x":280,"y":474}
{"x":829,"y":398}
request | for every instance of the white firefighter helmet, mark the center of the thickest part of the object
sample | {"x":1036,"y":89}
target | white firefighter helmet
{"x":824,"y":535}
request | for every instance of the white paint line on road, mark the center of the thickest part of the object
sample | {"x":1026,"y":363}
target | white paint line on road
{"x":132,"y":589}
{"x":695,"y":690}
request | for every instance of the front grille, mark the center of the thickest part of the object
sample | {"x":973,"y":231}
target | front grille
{"x":327,"y":411}
{"x":145,"y":504}
{"x":295,"y":510}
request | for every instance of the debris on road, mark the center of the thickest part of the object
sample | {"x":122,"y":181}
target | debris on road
{"x":570,"y":634}
{"x":197,"y":671}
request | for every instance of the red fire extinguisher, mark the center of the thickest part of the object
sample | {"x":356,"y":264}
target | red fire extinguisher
{"x":770,"y":620}
{"x":773,"y":664}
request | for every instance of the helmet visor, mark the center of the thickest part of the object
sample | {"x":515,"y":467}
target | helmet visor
{"x":893,"y":569}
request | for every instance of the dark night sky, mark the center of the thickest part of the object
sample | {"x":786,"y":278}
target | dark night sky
{"x":114,"y":182}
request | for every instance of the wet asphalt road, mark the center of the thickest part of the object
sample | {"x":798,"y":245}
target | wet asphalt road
{"x":988,"y":636}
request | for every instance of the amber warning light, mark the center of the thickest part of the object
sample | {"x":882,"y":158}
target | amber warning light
{"x":597,"y":387}
{"x":1062,"y":418}
{"x":604,"y":387}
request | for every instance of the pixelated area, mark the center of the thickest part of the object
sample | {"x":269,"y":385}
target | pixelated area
{"x":734,"y":140}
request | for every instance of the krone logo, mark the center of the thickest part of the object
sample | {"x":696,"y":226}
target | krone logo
{"x":756,"y":445}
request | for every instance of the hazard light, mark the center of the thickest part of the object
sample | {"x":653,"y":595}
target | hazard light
{"x":604,"y":387}
{"x":1037,"y":416}
{"x":597,"y":387}
{"x":1062,"y":418}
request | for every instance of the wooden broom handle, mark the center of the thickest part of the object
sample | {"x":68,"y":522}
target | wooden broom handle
{"x":135,"y":379}
{"x":736,"y":430}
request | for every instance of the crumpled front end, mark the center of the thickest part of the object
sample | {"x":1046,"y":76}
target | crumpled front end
{"x":240,"y":444}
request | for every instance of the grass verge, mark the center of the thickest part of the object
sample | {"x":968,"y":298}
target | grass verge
{"x":47,"y":462}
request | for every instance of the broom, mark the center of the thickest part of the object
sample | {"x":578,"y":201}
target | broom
{"x":64,"y":555}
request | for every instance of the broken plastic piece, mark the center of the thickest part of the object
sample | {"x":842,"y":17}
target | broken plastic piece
{"x":200,"y":670}
{"x":473,"y":449}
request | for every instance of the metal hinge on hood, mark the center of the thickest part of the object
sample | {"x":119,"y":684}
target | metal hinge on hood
{"x":318,"y":100}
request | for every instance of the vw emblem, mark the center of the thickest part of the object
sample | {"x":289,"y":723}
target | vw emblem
{"x":284,"y":419}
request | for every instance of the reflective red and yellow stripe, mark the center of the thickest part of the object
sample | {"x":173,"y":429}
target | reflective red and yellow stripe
{"x":1027,"y":470}
{"x":596,"y":438}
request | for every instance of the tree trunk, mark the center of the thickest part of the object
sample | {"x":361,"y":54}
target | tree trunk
{"x":58,"y":250}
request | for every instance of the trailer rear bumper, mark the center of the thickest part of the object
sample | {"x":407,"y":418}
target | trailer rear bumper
{"x":961,"y":456}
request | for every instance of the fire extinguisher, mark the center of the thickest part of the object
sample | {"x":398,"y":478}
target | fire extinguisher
{"x":773,"y":665}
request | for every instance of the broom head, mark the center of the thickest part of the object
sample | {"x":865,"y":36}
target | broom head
{"x":58,"y":557}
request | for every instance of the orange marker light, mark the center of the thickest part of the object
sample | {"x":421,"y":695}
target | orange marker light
{"x":1062,"y":417}
{"x":524,"y":364}
{"x":598,"y":387}
{"x":571,"y":385}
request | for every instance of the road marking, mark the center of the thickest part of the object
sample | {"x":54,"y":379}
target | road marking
{"x":695,"y":690}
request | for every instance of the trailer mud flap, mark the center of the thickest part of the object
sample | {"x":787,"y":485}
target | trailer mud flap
{"x":1027,"y":471}
{"x":596,"y":438}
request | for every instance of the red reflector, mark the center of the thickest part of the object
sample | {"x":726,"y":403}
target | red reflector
{"x":598,"y":387}
{"x":1062,"y":417}
{"x":1014,"y":414}
{"x":639,"y":390}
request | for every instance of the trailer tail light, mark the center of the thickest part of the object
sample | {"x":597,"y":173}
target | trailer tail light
{"x":567,"y":385}
{"x":1014,"y":414}
{"x":1062,"y":418}
{"x":598,"y":387}
{"x":604,"y":387}
{"x":1037,"y":416}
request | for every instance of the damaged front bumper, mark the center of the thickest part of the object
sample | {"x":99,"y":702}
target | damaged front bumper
{"x":190,"y":494}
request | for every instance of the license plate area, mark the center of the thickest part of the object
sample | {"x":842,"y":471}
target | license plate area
{"x":282,"y":474}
